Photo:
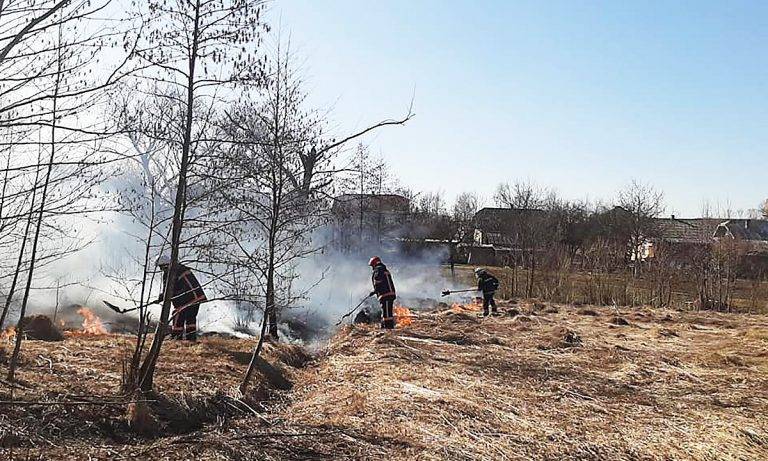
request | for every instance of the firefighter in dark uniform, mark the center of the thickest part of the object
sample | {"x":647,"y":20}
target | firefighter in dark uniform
{"x":186,"y":298}
{"x":384,"y":289}
{"x":487,"y":284}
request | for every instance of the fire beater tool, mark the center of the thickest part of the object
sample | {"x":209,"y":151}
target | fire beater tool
{"x":448,"y":292}
{"x":131,"y":309}
{"x":353,"y":310}
{"x":123,"y":311}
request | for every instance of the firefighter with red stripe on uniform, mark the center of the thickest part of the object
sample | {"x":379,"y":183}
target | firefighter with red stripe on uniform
{"x":186,"y":297}
{"x":384,"y":289}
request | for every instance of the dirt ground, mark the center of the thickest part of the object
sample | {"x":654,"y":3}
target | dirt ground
{"x":541,"y":381}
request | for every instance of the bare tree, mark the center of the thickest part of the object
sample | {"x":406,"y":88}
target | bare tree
{"x":270,"y":209}
{"x":523,"y":195}
{"x":45,"y":98}
{"x":363,"y":181}
{"x":527,"y":231}
{"x":193,"y":50}
{"x":464,"y":209}
{"x":48,"y":169}
{"x":279,"y":177}
{"x":642,"y":204}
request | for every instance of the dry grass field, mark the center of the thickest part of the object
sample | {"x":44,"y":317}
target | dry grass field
{"x":540,"y":381}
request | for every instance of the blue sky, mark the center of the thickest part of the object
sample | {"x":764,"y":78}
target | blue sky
{"x":579,"y":96}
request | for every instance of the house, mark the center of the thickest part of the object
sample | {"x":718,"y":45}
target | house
{"x":751,"y":236}
{"x":754,"y":232}
{"x":360,"y":219}
{"x":682,"y":240}
{"x":500,"y":234}
{"x":352,"y":205}
{"x":679,"y":237}
{"x":504,"y":227}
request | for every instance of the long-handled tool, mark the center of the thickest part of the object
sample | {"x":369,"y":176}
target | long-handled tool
{"x":449,"y":292}
{"x":353,"y":310}
{"x":123,"y":311}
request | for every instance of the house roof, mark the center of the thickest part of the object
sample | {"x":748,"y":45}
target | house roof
{"x":696,"y":230}
{"x":496,"y":218}
{"x":753,"y":232}
{"x":371,"y":202}
{"x":744,"y":229}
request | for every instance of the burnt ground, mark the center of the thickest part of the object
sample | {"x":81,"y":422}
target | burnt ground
{"x":541,"y":381}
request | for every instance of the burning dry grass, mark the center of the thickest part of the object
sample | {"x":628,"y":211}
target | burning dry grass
{"x":542,"y":384}
{"x":403,"y":316}
{"x":92,"y":324}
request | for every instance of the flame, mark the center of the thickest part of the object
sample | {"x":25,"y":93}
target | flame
{"x":92,"y":324}
{"x":462,"y":308}
{"x":8,"y":334}
{"x":403,"y":316}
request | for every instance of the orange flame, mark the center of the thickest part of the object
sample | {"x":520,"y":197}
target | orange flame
{"x":403,"y":316}
{"x":8,"y":334}
{"x":460,"y":308}
{"x":92,"y":324}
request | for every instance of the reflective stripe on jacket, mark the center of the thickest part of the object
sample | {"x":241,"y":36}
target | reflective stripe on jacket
{"x":187,"y":291}
{"x":382,"y":282}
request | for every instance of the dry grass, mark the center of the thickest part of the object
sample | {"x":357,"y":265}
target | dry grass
{"x":543,"y":384}
{"x":559,"y":386}
{"x":748,"y":296}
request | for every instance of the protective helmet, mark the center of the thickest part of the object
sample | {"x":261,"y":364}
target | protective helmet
{"x":163,"y":260}
{"x":480,"y":271}
{"x":375,"y":261}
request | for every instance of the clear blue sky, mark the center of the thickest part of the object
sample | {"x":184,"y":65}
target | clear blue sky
{"x":579,"y":96}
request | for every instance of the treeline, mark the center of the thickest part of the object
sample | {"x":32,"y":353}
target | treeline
{"x":618,"y":253}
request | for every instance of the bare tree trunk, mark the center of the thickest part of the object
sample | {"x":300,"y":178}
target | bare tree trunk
{"x":134,"y":372}
{"x":271,"y":307}
{"x":38,"y":225}
{"x":20,"y":259}
{"x":5,"y":182}
{"x":56,"y":307}
{"x":531,"y":273}
{"x":514,"y":273}
{"x":255,"y":356}
{"x":148,"y":367}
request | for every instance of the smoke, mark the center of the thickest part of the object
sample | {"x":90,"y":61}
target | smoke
{"x":329,"y":284}
{"x":345,"y":279}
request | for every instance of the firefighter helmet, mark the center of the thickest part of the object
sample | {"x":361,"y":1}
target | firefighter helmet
{"x":480,"y":271}
{"x":163,"y":260}
{"x":375,"y":261}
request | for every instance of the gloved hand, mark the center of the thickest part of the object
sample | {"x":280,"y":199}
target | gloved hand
{"x":373,"y":293}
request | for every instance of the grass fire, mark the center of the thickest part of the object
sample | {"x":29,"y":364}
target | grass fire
{"x":274,"y":230}
{"x":541,"y":381}
{"x":92,"y":324}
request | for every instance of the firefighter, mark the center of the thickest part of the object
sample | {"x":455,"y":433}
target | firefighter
{"x":187,"y":295}
{"x":384,"y":288}
{"x":487,"y":284}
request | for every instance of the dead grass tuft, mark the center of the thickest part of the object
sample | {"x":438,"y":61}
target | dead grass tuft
{"x":40,"y":327}
{"x":560,"y":338}
{"x":619,"y":321}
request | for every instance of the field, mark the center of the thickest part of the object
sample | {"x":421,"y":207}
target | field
{"x":541,"y":381}
{"x":680,"y":290}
